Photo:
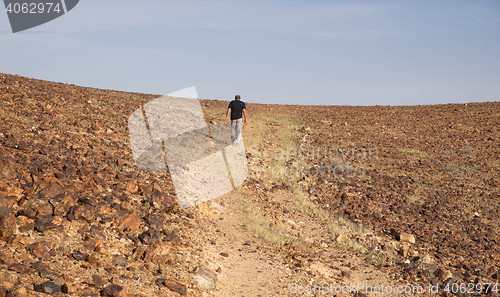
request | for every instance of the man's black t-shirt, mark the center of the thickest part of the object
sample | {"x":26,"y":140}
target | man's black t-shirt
{"x":237,"y":107}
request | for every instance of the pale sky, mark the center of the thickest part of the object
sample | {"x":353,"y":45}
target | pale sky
{"x":282,"y":52}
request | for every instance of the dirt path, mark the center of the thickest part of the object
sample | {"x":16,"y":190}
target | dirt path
{"x":247,"y":267}
{"x":250,"y":266}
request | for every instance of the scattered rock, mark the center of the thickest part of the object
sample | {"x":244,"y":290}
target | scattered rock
{"x":426,"y":259}
{"x":7,"y":223}
{"x":405,"y":249}
{"x":41,"y":250}
{"x":120,"y":261}
{"x":46,"y":222}
{"x":80,"y":256}
{"x":205,"y":278}
{"x":407,"y":237}
{"x":340,"y":238}
{"x":48,"y":288}
{"x":175,"y":286}
{"x":98,"y":281}
{"x":224,"y":254}
{"x":131,"y":223}
{"x":41,"y":206}
{"x":112,"y":291}
{"x":19,"y":240}
{"x":443,"y":274}
{"x":7,"y":201}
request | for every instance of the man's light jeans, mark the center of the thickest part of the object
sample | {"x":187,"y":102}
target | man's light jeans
{"x":236,"y":128}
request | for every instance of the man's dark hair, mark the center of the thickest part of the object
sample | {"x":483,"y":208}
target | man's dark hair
{"x":237,"y":97}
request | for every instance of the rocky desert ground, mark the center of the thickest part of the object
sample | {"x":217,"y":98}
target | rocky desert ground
{"x":404,"y":198}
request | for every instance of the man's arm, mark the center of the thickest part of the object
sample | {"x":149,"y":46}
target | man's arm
{"x":227,"y":115}
{"x":245,"y":115}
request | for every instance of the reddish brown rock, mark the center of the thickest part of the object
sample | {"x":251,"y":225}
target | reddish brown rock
{"x":98,"y":281}
{"x":126,"y":206}
{"x":131,"y":223}
{"x":112,"y":291}
{"x":45,"y":222}
{"x":163,"y":201}
{"x":7,"y":224}
{"x":41,"y":250}
{"x":85,"y":212}
{"x":41,"y":206}
{"x":175,"y":286}
{"x":62,"y":203}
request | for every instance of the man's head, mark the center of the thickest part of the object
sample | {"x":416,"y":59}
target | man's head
{"x":237,"y":97}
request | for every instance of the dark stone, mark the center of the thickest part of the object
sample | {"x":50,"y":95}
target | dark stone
{"x":155,"y":221}
{"x":44,"y":223}
{"x":166,"y":202}
{"x":149,"y":237}
{"x":98,"y":281}
{"x":39,"y":266}
{"x":40,"y":250}
{"x":111,"y":290}
{"x":160,"y":281}
{"x":41,"y":206}
{"x":145,"y":238}
{"x":48,"y":288}
{"x":65,"y":288}
{"x":80,"y":256}
{"x":97,"y":232}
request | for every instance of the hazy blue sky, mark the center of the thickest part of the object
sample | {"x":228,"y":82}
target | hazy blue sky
{"x":300,"y":52}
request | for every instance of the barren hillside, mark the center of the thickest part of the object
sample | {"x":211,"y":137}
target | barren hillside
{"x":400,"y":196}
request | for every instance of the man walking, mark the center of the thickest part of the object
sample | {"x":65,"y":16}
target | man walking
{"x":238,"y":111}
